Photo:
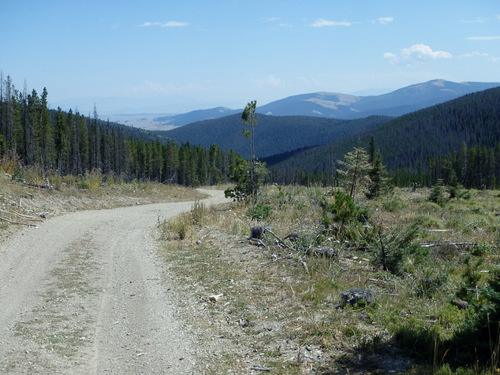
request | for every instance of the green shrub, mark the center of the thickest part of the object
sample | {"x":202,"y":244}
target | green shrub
{"x":394,"y":205}
{"x":437,"y":194}
{"x":343,"y":218}
{"x":471,"y":278}
{"x":391,"y":247}
{"x":259,"y":212}
{"x":83,"y":184}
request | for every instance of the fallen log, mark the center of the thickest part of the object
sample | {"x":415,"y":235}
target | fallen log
{"x":40,"y":186}
{"x":279,"y":239}
{"x":15,"y":222}
{"x":456,"y":244}
{"x":31,"y":218}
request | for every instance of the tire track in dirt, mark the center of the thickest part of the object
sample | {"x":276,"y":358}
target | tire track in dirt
{"x":84,"y":293}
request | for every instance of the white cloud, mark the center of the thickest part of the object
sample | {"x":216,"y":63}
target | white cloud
{"x":487,"y":56}
{"x":165,"y":24}
{"x":477,"y":20}
{"x":276,"y":21}
{"x":321,"y":22}
{"x":390,"y":56}
{"x":483,"y":37}
{"x":385,"y":20}
{"x":473,"y":54}
{"x":416,"y":53}
{"x":423,"y":52}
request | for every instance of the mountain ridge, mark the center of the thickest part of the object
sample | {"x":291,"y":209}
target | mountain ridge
{"x":345,"y":106}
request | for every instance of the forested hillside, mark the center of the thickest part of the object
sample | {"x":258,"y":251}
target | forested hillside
{"x":454,"y":141}
{"x":462,"y":134}
{"x":71,"y":143}
{"x":273,"y":134}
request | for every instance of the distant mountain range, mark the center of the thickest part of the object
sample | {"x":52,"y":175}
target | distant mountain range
{"x":195,"y":116}
{"x":344,"y":106}
{"x":406,"y":142}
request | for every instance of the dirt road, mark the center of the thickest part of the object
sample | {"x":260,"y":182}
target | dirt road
{"x":84,"y":293}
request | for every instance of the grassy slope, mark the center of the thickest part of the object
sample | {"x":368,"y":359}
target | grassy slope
{"x":279,"y":304}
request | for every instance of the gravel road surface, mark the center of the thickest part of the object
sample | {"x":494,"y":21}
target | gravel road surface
{"x":84,"y":293}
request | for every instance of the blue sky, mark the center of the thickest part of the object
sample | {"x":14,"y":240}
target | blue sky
{"x":196,"y":54}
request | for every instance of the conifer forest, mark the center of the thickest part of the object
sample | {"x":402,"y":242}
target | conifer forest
{"x":74,"y":143}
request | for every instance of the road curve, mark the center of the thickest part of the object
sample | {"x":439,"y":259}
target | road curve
{"x":84,"y":293}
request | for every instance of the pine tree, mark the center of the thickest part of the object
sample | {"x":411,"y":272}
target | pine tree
{"x":61,"y":142}
{"x":83,"y":146}
{"x":379,"y":180}
{"x":249,"y":117}
{"x":46,"y":134}
{"x":354,"y":174}
{"x":8,"y":123}
{"x":94,"y":142}
{"x":372,"y":151}
{"x":27,"y":149}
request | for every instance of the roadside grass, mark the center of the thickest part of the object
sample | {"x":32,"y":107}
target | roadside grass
{"x":279,"y":306}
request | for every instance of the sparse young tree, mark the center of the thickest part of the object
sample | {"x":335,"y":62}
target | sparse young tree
{"x":392,"y":245}
{"x":354,"y":174}
{"x":240,"y":175}
{"x":437,"y":194}
{"x":249,"y":117}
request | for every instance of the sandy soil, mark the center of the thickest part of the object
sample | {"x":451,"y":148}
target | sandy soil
{"x":84,"y":293}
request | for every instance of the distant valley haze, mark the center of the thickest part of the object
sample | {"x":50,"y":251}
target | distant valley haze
{"x":155,"y":114}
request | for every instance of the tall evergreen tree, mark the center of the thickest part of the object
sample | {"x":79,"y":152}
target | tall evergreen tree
{"x":45,"y":137}
{"x":378,"y":178}
{"x":371,"y":151}
{"x":83,"y":145}
{"x":61,"y":142}
{"x":27,"y":149}
{"x":8,"y":126}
